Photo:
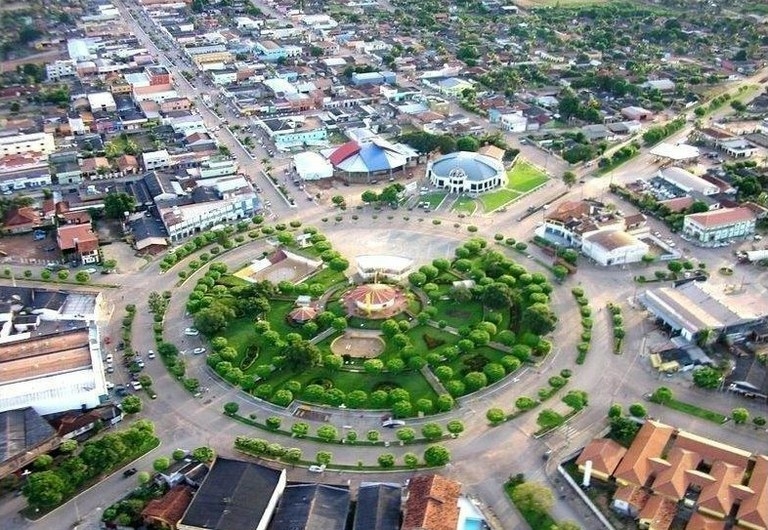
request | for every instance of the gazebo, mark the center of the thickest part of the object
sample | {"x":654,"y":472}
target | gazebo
{"x":302,"y":315}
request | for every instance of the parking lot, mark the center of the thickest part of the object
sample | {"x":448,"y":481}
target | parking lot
{"x":23,"y":249}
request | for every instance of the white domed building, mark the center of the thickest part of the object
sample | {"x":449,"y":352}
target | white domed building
{"x":467,"y":172}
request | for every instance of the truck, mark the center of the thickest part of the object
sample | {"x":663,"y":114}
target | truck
{"x":753,"y":256}
{"x":206,"y":99}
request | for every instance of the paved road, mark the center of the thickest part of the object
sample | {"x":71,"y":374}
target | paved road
{"x":484,"y":457}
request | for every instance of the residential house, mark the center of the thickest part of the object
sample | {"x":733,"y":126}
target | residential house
{"x":168,"y":510}
{"x":604,"y":455}
{"x":378,"y":507}
{"x":718,"y":226}
{"x":432,"y":503}
{"x":295,"y":131}
{"x":22,"y":220}
{"x":80,"y":241}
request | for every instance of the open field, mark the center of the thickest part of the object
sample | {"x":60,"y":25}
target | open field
{"x":524,"y":177}
{"x":496,"y":199}
{"x":465,"y":205}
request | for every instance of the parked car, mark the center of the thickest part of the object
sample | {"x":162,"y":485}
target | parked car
{"x":110,"y":385}
{"x":136,"y":385}
{"x":151,"y":354}
{"x":129,"y":472}
{"x":191,"y":332}
{"x":121,"y":391}
{"x":91,"y":270}
{"x":198,"y":351}
{"x":391,"y":424}
{"x":316,"y":469}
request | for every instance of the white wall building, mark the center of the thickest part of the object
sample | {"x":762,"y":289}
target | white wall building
{"x":184,"y":221}
{"x":718,"y":226}
{"x":14,"y":144}
{"x":58,"y":69}
{"x":466,"y":172}
{"x":614,"y":247}
{"x":373,"y":267}
{"x":43,"y":366}
{"x":103,"y":101}
{"x":156,"y":159}
{"x":687,"y":181}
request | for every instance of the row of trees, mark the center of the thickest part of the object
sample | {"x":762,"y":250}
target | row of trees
{"x":48,"y":488}
{"x":434,"y":455}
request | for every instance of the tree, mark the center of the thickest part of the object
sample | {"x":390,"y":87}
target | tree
{"x":549,"y":419}
{"x":406,"y":434}
{"x":437,"y":455}
{"x":455,"y":427}
{"x":410,"y":460}
{"x":44,"y":489}
{"x":117,"y":204}
{"x":533,"y":497}
{"x":211,"y":320}
{"x":82,"y":277}
{"x":231,"y":408}
{"x":638,"y":410}
{"x":576,"y":399}
{"x":432,"y":431}
{"x":42,"y":462}
{"x":740,"y":415}
{"x":131,"y":404}
{"x":569,"y":178}
{"x":623,"y":430}
{"x":661,"y":395}
{"x":327,"y":433}
{"x":300,"y":353}
{"x":323,"y":457}
{"x":300,"y":429}
{"x":539,"y":319}
{"x":161,"y":464}
{"x":495,"y":415}
{"x":707,"y":377}
{"x":467,"y":143}
{"x":369,"y":196}
{"x":614,"y":411}
{"x":386,"y":460}
{"x":497,"y":296}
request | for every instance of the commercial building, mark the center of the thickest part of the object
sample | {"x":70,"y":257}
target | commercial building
{"x":50,"y":355}
{"x":19,"y":143}
{"x":614,"y":247}
{"x":293,"y":131}
{"x":235,"y":495}
{"x":24,"y":435}
{"x":312,"y":507}
{"x":466,"y":172}
{"x":377,"y":267}
{"x":718,"y":226}
{"x":687,"y":181}
{"x":694,"y":307}
{"x":368,"y":155}
{"x":669,"y":473}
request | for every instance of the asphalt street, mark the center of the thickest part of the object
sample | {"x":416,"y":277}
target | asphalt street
{"x":483,"y":457}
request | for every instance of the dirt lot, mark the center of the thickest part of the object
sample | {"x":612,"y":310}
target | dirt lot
{"x":23,"y":249}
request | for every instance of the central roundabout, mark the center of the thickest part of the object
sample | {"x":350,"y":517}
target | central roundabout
{"x":301,"y":326}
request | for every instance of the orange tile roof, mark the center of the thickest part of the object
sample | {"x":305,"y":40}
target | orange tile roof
{"x":722,"y":217}
{"x":432,"y":504}
{"x":83,"y":233}
{"x":22,"y":216}
{"x":724,"y":490}
{"x":712,"y":450}
{"x":658,"y":512}
{"x":673,"y":481}
{"x":634,"y":496}
{"x":699,"y":521}
{"x":754,"y":510}
{"x":169,"y":508}
{"x":605,"y":455}
{"x":649,"y":443}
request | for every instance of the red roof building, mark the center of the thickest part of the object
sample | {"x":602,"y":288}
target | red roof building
{"x":432,"y":504}
{"x":79,"y":240}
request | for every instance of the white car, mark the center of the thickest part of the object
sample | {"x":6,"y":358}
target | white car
{"x":191,"y":332}
{"x":136,"y":385}
{"x":316,"y":469}
{"x":91,"y":270}
{"x":198,"y":351}
{"x":110,"y":385}
{"x":151,"y":354}
{"x":109,"y":358}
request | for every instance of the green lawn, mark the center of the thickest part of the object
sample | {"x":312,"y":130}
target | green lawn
{"x":457,"y":315}
{"x":326,"y":277}
{"x":524,"y":177}
{"x":434,"y":198}
{"x":465,"y":205}
{"x":695,"y":410}
{"x":493,"y":200}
